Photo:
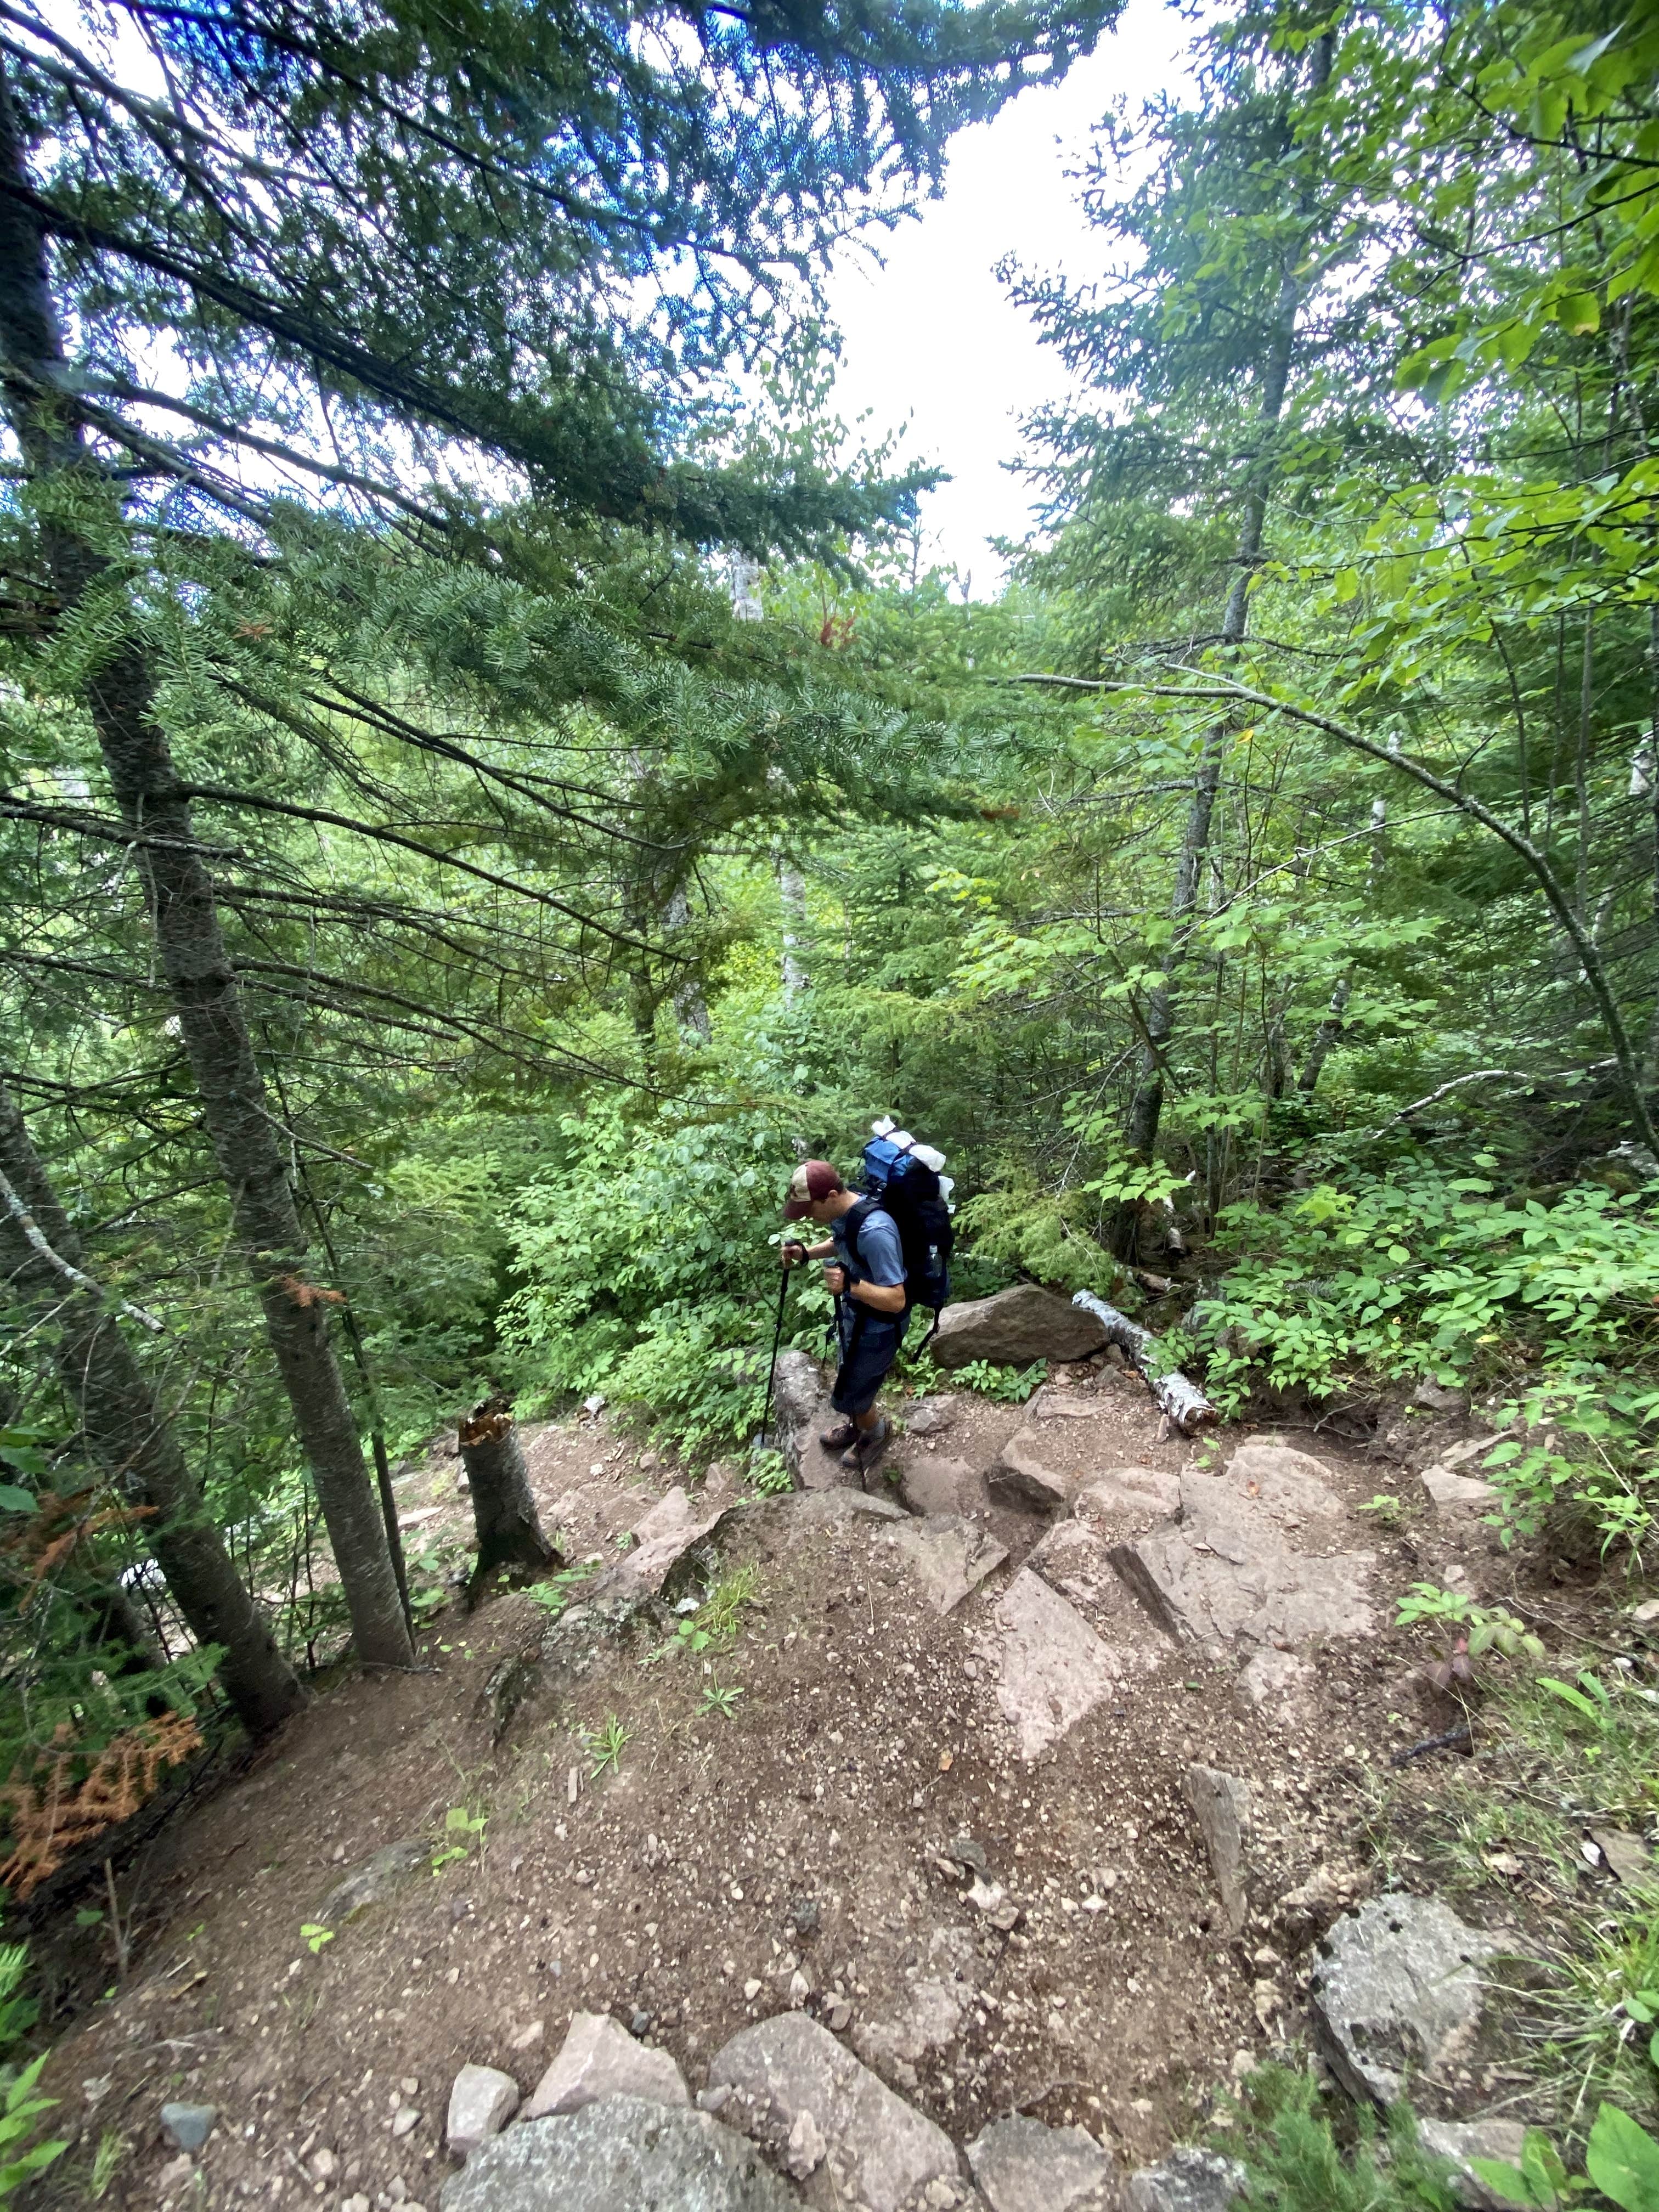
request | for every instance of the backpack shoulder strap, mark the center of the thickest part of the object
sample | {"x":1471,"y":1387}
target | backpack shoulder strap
{"x":852,"y":1220}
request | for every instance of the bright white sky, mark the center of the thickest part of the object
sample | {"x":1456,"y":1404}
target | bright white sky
{"x":931,"y":341}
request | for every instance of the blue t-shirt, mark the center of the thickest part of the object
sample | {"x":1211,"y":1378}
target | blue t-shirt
{"x":881,"y":1260}
{"x":881,"y":1255}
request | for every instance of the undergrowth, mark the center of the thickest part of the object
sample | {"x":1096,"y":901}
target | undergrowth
{"x":1519,"y":1824}
{"x":1550,"y":1311}
{"x":1302,"y":2151}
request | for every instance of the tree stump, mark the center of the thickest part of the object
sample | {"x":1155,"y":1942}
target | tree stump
{"x":509,"y":1533}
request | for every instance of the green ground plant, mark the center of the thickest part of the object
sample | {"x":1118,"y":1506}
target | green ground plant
{"x":1302,"y":2151}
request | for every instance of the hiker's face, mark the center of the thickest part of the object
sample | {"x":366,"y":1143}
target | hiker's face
{"x":823,"y":1209}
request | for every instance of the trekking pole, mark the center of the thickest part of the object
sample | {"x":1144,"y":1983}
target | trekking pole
{"x":772,"y":1371}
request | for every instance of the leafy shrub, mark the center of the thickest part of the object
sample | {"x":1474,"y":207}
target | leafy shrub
{"x":1424,"y":1273}
{"x":1294,"y":2162}
{"x":646,"y":1270}
{"x":20,"y":2107}
{"x":1009,"y":1386}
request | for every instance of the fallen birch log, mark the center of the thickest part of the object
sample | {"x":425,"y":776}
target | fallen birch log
{"x":1180,"y":1401}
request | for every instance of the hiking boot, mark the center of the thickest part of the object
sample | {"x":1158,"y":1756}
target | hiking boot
{"x":868,"y":1448}
{"x":838,"y":1438}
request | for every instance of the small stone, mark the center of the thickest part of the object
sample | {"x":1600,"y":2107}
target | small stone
{"x":481,"y":2103}
{"x":751,"y":1989}
{"x":187,"y":2127}
{"x":1221,"y":1804}
{"x":1626,"y":1854}
{"x":640,"y":2025}
{"x":1437,"y":1398}
{"x":804,"y":1916}
{"x":839,"y":2015}
{"x":600,"y":2058}
{"x":595,"y":1404}
{"x":323,"y":2166}
{"x":1457,"y":1494}
{"x":375,"y":1882}
{"x":799,"y":1989}
{"x":355,"y":2204}
{"x":929,"y":1417}
{"x":177,"y":2172}
{"x":409,"y":2085}
{"x":527,"y":2036}
{"x":403,"y":2120}
{"x":804,"y":2150}
{"x":930,"y":2016}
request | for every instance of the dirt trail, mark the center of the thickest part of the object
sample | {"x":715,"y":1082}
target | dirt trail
{"x":962,"y":1840}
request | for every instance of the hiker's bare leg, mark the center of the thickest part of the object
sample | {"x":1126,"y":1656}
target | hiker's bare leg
{"x":868,"y":1418}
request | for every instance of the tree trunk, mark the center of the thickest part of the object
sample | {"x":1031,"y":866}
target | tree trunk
{"x":691,"y":1007}
{"x":1146,"y":1105}
{"x":132,"y":1439}
{"x":792,"y":893}
{"x":1324,"y":1038}
{"x":120,"y":695}
{"x":509,"y":1533}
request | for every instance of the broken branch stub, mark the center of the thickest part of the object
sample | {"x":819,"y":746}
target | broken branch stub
{"x":1174,"y":1393}
{"x":503,"y":1508}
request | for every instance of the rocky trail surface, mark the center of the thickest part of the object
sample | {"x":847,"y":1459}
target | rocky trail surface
{"x":945,"y":1847}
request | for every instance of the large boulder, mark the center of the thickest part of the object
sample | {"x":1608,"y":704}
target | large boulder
{"x":621,"y":2156}
{"x":805,"y":2095}
{"x":1398,"y":1993}
{"x":1015,"y":1328}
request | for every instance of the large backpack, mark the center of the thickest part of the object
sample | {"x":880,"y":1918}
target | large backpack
{"x":900,"y":1176}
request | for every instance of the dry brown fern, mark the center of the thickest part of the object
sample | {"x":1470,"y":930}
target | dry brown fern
{"x":39,"y":1545}
{"x":50,"y":1814}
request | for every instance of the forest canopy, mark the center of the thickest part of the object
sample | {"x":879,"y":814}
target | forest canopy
{"x":489,"y":781}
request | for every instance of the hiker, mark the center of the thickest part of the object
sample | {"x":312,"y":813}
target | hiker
{"x":867,"y":1276}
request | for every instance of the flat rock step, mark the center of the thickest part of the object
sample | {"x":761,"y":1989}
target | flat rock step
{"x":1053,"y":1669}
{"x":949,"y":1556}
{"x":1251,"y":1557}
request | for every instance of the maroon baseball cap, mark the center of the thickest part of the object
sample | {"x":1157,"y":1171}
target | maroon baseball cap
{"x":813,"y":1181}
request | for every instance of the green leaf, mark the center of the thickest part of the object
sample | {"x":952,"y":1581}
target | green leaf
{"x":1579,"y":312}
{"x":14,"y":1499}
{"x":1511,"y":2184}
{"x":1622,"y":2159}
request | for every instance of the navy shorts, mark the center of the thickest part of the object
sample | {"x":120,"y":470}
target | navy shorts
{"x":874,"y":1347}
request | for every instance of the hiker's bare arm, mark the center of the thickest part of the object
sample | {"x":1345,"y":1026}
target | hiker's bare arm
{"x":881,"y":1297}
